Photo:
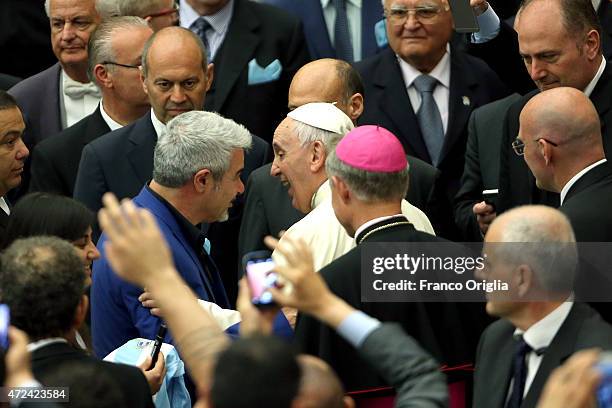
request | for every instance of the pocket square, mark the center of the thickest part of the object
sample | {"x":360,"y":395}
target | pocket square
{"x":260,"y":75}
{"x":380,"y":32}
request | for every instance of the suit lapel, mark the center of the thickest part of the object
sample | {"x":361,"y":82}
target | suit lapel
{"x":593,"y":176}
{"x":237,"y":50}
{"x":371,"y":13}
{"x":96,"y":126}
{"x":395,"y":103}
{"x":314,"y":24}
{"x":500,"y":378}
{"x":140,"y":155}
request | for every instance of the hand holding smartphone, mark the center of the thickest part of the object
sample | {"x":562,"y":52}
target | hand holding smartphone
{"x":259,"y":269}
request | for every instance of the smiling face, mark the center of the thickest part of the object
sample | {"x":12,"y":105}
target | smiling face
{"x":87,"y":252}
{"x":419,"y":42}
{"x":72,"y":22}
{"x":13,"y":151}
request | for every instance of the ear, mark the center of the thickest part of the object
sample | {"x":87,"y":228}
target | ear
{"x":102,"y":76}
{"x":318,"y":155}
{"x":355,"y":106}
{"x":546,"y":151}
{"x":525,"y":280}
{"x":202,"y":181}
{"x":592,"y":44}
{"x":81,"y":312}
{"x":210,"y":74}
{"x":143,"y":80}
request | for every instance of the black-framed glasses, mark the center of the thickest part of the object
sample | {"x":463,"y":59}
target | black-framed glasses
{"x":120,"y":65}
{"x":173,"y":10}
{"x":519,"y":146}
{"x":397,"y":16}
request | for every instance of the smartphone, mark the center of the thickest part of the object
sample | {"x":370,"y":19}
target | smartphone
{"x":5,"y":321}
{"x":159,"y":340}
{"x":604,"y":391}
{"x":259,"y":269}
{"x":490,"y":197}
{"x":463,"y":16}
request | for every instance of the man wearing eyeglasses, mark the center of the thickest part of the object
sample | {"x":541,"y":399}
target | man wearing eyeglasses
{"x":423,"y":91}
{"x":115,"y":50}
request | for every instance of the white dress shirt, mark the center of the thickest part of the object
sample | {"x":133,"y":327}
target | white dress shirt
{"x":441,"y":93}
{"x":576,"y":177}
{"x":219,"y":22}
{"x":4,"y":206}
{"x":112,"y":124}
{"x":353,"y":14}
{"x":74,"y":109}
{"x":158,"y":125}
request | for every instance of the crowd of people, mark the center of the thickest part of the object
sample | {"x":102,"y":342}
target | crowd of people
{"x":149,"y":145}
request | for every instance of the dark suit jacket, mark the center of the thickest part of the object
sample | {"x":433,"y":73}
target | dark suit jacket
{"x":122,"y":162}
{"x":481,"y":171}
{"x":315,"y":29}
{"x":431,"y":324}
{"x":8,"y":81}
{"x":4,"y":218}
{"x":55,"y":161}
{"x":387,"y":104}
{"x":130,"y":380}
{"x":516,"y":183}
{"x":582,"y":329}
{"x":265,"y":33}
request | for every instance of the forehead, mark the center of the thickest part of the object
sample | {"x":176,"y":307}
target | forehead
{"x":540,"y":28}
{"x":71,"y":8}
{"x":411,"y":3}
{"x":182,"y":58}
{"x":11,"y":121}
{"x":284,"y":136}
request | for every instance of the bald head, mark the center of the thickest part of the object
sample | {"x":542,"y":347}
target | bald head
{"x":531,"y":223}
{"x":328,"y":80}
{"x":173,"y":42}
{"x":319,"y":385}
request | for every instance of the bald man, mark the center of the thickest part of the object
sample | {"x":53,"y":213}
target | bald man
{"x":540,"y":322}
{"x":560,"y":140}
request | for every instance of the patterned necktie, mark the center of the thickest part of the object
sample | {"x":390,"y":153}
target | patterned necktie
{"x":342,"y":35}
{"x":429,"y":117}
{"x":519,"y":369}
{"x":200,"y":27}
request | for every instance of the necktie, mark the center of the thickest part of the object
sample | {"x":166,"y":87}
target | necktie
{"x":76,"y":90}
{"x":200,"y":27}
{"x":342,"y":36}
{"x":519,"y":368}
{"x":429,"y":117}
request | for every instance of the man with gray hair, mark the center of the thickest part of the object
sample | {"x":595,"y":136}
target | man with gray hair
{"x":533,"y":250}
{"x":158,"y":13}
{"x":115,"y":50}
{"x":196,"y":176}
{"x":302,"y":143}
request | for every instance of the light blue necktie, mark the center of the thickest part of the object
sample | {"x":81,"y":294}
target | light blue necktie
{"x":342,"y":35}
{"x":429,"y":117}
{"x":200,"y":27}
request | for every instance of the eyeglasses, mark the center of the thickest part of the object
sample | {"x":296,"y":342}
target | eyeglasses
{"x":519,"y":146}
{"x":167,"y":12}
{"x":120,"y":65}
{"x":397,"y":16}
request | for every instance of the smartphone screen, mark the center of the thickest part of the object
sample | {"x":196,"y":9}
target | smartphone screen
{"x":5,"y":320}
{"x":463,"y":16}
{"x":261,"y":277}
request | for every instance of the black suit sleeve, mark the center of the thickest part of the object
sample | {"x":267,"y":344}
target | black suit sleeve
{"x":253,"y":226}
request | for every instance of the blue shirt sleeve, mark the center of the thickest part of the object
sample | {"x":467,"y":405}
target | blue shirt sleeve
{"x":489,"y":26}
{"x":357,"y":327}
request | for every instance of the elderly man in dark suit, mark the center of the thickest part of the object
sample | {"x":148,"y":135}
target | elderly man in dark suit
{"x":50,"y":268}
{"x":541,"y":325}
{"x":256,"y":49}
{"x":176,"y":77}
{"x":115,"y":51}
{"x":13,"y":153}
{"x":423,"y":90}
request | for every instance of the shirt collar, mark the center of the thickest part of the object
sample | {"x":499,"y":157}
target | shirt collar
{"x":219,"y":21}
{"x":322,"y":193}
{"x":35,"y":345}
{"x":374,"y":221}
{"x":589,"y":89}
{"x":577,"y":176}
{"x":441,"y":71}
{"x":541,"y":334}
{"x":112,"y":124}
{"x":158,"y":125}
{"x":356,"y":3}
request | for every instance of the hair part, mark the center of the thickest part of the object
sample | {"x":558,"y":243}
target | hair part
{"x":194,"y":141}
{"x":369,"y":186}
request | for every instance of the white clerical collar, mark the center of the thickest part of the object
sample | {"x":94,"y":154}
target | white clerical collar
{"x":322,"y":193}
{"x":4,"y":206}
{"x":112,"y":124}
{"x":589,"y":89}
{"x":35,"y":345}
{"x":158,"y":125}
{"x":374,"y":221}
{"x":577,"y":176}
{"x":542,"y":333}
{"x":356,"y":3}
{"x":441,"y":71}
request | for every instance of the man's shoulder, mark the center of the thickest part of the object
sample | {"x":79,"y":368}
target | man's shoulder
{"x":268,"y":14}
{"x":371,"y":64}
{"x":113,"y":140}
{"x":35,"y":82}
{"x":498,"y":332}
{"x":67,"y":137}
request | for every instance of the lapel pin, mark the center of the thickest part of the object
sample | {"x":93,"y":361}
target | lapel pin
{"x":466,"y":101}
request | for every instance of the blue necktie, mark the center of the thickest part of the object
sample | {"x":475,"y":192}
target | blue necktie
{"x":519,"y":369}
{"x":200,"y":27}
{"x":342,"y":35}
{"x":429,"y":117}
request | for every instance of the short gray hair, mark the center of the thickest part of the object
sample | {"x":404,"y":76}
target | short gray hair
{"x":48,"y":8}
{"x":369,"y":186}
{"x":100,"y":47}
{"x":115,"y":8}
{"x":307,"y":134}
{"x":194,"y":141}
{"x":151,"y":40}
